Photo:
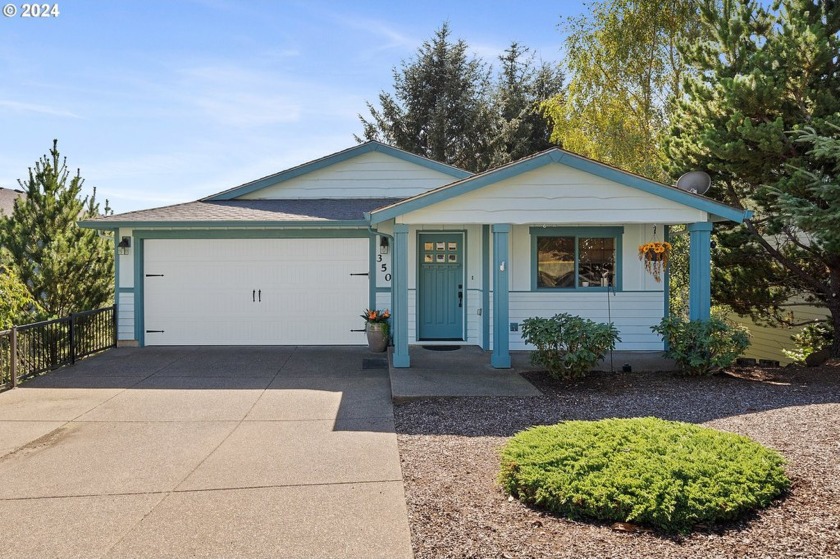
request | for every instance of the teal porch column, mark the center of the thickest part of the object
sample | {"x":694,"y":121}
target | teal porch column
{"x":399,"y":294}
{"x":500,"y":358}
{"x":699,"y":271}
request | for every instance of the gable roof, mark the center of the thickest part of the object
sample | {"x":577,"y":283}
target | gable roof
{"x":338,"y":157}
{"x":248,"y":213}
{"x":573,"y":160}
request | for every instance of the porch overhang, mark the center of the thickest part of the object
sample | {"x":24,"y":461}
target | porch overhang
{"x":715,"y":211}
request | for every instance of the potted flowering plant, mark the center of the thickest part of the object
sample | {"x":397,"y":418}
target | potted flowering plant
{"x":655,"y":256}
{"x":377,"y":329}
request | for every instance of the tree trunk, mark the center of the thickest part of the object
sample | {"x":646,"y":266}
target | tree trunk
{"x":834,"y":309}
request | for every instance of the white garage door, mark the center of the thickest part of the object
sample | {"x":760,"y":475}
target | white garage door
{"x":255,"y":291}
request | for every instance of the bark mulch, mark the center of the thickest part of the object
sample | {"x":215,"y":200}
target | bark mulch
{"x":449,"y":453}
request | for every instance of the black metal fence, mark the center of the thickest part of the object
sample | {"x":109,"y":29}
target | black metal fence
{"x":32,"y":349}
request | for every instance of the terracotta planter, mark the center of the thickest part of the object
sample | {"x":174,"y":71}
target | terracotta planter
{"x":377,"y":336}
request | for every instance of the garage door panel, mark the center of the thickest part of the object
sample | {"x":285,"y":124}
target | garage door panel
{"x":306,"y":295}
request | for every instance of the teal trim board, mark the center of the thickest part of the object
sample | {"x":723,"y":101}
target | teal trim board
{"x":671,"y":193}
{"x":228,"y":224}
{"x":139,"y":288}
{"x":485,"y":287}
{"x":333,"y":159}
{"x":699,"y":271}
{"x":455,"y":189}
{"x":116,"y":233}
{"x":615,"y":233}
{"x":372,"y":245}
{"x":500,"y":358}
{"x":399,"y":297}
{"x":252,"y":234}
{"x":666,"y":280}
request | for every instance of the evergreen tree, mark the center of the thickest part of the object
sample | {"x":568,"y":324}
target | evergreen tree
{"x":63,"y":268}
{"x":521,"y":88}
{"x":440,"y":107}
{"x":759,"y":114}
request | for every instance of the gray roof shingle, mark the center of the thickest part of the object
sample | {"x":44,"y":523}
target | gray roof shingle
{"x":256,"y":210}
{"x":7,"y":199}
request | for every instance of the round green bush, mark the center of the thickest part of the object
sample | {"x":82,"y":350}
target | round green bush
{"x":668,"y":475}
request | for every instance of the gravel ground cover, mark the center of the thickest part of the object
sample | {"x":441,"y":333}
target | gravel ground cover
{"x":449,"y":452}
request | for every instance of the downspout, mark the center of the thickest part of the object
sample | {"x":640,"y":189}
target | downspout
{"x":391,"y":243}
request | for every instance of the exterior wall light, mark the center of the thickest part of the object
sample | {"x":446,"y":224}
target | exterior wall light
{"x":383,"y":245}
{"x":124,"y":245}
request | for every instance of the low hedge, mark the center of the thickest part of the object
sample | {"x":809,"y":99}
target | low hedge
{"x":667,"y":475}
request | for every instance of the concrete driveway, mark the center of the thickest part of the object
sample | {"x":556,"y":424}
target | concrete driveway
{"x":204,"y":452}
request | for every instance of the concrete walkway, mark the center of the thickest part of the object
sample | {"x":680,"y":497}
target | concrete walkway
{"x":204,"y":452}
{"x":466,"y":371}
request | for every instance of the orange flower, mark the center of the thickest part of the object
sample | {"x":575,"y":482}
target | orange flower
{"x":375,"y":316}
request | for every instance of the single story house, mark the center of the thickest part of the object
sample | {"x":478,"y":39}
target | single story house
{"x":295,"y":257}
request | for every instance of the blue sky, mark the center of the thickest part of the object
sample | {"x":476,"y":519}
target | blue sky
{"x":160,"y":102}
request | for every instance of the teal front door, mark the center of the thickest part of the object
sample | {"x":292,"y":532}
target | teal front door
{"x":441,"y":286}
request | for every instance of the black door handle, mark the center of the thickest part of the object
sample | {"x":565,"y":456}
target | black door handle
{"x":460,"y":299}
{"x":254,"y":296}
{"x":259,"y":295}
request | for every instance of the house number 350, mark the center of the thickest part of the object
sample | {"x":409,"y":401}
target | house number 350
{"x":383,"y":267}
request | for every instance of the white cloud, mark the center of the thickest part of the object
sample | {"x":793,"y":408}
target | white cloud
{"x":393,"y":38}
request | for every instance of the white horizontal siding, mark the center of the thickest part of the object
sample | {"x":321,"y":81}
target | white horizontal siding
{"x":371,"y":175}
{"x":472,"y":319}
{"x":555,"y":194}
{"x":383,"y":300}
{"x":125,"y":317}
{"x":633,"y":313}
{"x":412,"y":316}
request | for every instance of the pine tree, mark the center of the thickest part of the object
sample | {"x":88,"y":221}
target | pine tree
{"x":759,"y":114}
{"x":440,"y":107}
{"x":521,"y":88}
{"x":63,"y":268}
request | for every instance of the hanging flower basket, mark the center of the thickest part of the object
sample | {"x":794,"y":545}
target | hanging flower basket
{"x":655,"y":255}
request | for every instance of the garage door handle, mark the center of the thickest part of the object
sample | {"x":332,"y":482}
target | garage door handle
{"x":363,"y":274}
{"x":254,"y":296}
{"x":154,"y":331}
{"x":259,"y":295}
{"x":154,"y":275}
{"x":362,"y":330}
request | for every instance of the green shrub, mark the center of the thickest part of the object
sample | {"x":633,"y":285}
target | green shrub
{"x":701,"y":347}
{"x":568,"y":346}
{"x":668,"y":475}
{"x":813,"y":338}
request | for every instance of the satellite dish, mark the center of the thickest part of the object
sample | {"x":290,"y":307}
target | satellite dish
{"x":696,"y":182}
